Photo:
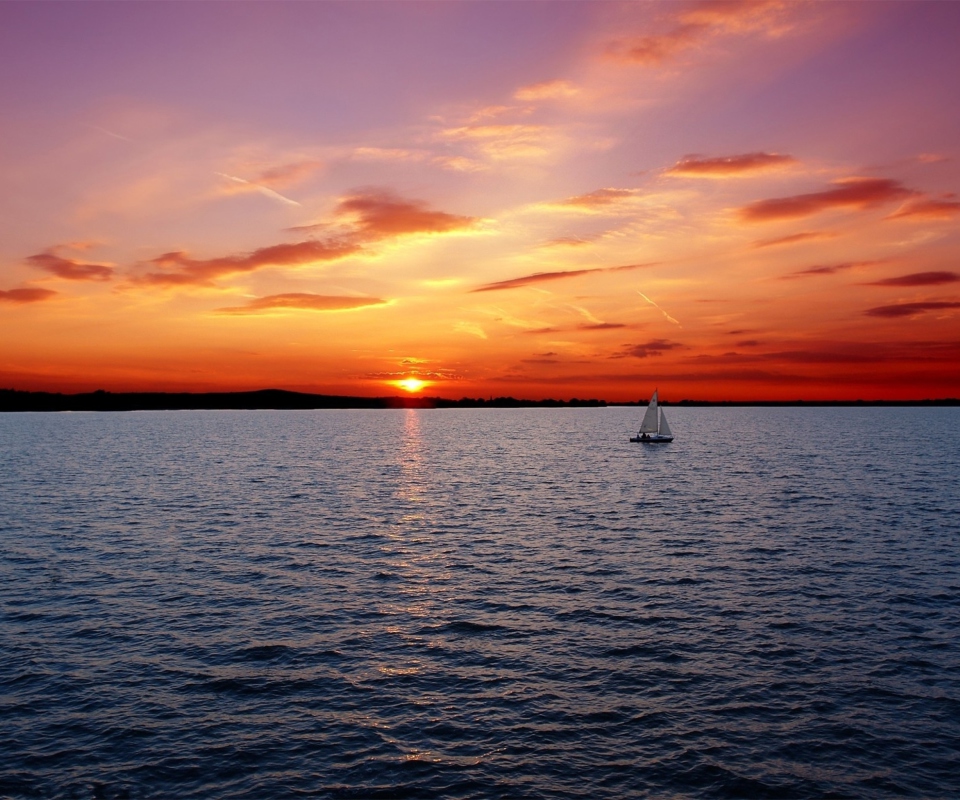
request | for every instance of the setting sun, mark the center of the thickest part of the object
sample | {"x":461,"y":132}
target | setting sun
{"x":411,"y":384}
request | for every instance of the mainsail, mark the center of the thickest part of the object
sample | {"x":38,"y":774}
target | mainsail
{"x":649,"y":424}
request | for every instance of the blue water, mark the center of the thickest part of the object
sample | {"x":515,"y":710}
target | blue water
{"x":480,"y":604}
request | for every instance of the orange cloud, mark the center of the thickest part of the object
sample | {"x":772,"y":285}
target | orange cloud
{"x":69,"y":268}
{"x":856,"y":193}
{"x":726,"y":166}
{"x":379,"y":215}
{"x":542,"y":277}
{"x":25,"y":295}
{"x":186,"y":270}
{"x":929,"y":209}
{"x":303,"y":301}
{"x":598,"y":199}
{"x":692,"y":26}
{"x":370,"y":216}
{"x":919,"y":279}
{"x":909,"y":309}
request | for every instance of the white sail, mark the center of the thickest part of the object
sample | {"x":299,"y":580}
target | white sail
{"x":649,"y":424}
{"x":664,"y":428}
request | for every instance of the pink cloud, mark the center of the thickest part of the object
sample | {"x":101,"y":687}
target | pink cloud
{"x":856,"y":193}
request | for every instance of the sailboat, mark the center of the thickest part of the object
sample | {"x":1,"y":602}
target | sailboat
{"x":654,"y":428}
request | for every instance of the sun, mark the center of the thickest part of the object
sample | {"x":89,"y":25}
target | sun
{"x":411,"y":384}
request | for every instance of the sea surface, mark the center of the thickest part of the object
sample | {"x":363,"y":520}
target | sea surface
{"x":480,"y":604}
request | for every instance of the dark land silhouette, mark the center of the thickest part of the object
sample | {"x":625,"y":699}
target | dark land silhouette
{"x":100,"y":400}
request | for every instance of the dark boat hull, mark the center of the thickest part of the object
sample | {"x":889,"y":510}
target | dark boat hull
{"x":652,"y":439}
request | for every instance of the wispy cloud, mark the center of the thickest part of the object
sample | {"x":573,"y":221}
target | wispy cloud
{"x":302,"y":301}
{"x":829,"y":269}
{"x":794,"y":238}
{"x":941,"y":209}
{"x":689,"y":27}
{"x":179,"y":269}
{"x":918,"y":279}
{"x":910,"y":309}
{"x":547,"y":90}
{"x":25,"y":295}
{"x":855,"y":193}
{"x":363,"y":218}
{"x":503,"y":141}
{"x":68,"y":268}
{"x":598,"y":199}
{"x":696,"y":166}
{"x":543,"y":277}
{"x":470,"y":328}
{"x":654,"y":347}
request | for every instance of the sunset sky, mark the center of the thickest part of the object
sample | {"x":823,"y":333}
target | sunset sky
{"x":724,"y":200}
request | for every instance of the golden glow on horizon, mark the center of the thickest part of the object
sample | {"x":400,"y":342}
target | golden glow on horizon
{"x":411,"y":384}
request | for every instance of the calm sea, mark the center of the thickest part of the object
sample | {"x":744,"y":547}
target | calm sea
{"x":480,"y":604}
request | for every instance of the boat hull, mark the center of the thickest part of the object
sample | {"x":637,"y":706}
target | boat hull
{"x":652,"y":439}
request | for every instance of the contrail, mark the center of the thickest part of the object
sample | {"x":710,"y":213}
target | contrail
{"x":259,"y":188}
{"x":109,"y":133}
{"x":669,"y":318}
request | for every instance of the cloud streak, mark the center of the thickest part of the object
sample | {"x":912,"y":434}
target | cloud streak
{"x":264,"y":190}
{"x":654,"y":347}
{"x":68,"y":268}
{"x":828,"y":269}
{"x":910,"y":309}
{"x":696,"y":166}
{"x":601,"y":198}
{"x":919,"y":279}
{"x":302,"y":301}
{"x":544,"y":277}
{"x":850,"y":193}
{"x":25,"y":295}
{"x":942,"y":209}
{"x":180,"y":269}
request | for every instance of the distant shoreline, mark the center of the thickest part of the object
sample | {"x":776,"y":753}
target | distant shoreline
{"x":13,"y":400}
